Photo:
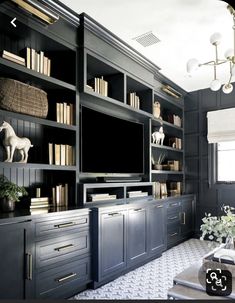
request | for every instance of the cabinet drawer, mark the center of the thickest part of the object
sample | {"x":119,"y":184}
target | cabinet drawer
{"x":62,"y":248}
{"x":173,"y":233}
{"x":173,"y":208}
{"x":61,"y":224}
{"x":173,"y":217}
{"x":63,"y":279}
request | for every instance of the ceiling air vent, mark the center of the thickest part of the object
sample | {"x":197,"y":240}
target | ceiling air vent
{"x":147,"y":39}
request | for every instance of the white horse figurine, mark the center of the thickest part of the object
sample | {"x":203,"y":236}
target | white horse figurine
{"x":11,"y":142}
{"x":158,"y":136}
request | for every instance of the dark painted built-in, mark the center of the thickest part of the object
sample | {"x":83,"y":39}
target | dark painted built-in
{"x":59,"y":253}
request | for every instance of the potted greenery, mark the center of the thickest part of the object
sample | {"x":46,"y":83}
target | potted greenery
{"x":220,"y":229}
{"x":9,"y":194}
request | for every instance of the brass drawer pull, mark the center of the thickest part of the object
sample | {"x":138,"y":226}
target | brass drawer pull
{"x":29,"y":267}
{"x":63,"y":225}
{"x":69,"y":276}
{"x":138,"y":209}
{"x":113,"y":214}
{"x":184,"y":218}
{"x":173,"y":218}
{"x":64,"y":247}
{"x":174,"y":234}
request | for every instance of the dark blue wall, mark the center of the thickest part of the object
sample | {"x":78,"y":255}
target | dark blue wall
{"x":209,"y":199}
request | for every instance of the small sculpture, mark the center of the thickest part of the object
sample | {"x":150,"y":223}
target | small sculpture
{"x":157,"y":109}
{"x":158,"y":136}
{"x":11,"y":142}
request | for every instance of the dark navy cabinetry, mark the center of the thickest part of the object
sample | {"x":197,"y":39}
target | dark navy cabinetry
{"x":16,"y":266}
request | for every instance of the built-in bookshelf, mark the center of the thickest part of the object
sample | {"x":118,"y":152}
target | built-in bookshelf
{"x":167,"y":159}
{"x":41,"y":59}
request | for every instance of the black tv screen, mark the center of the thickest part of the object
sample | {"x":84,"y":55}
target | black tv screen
{"x":110,"y":145}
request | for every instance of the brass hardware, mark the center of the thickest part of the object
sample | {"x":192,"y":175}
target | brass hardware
{"x":37,"y":10}
{"x":66,"y":277}
{"x":138,"y":209}
{"x":184,"y":218}
{"x":113,"y":214}
{"x":174,"y":234}
{"x":29,"y":266}
{"x":63,"y":225}
{"x":159,"y":206}
{"x":64,"y":247}
{"x":172,"y":218}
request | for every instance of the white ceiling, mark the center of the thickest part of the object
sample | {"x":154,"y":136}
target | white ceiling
{"x":183,"y":26}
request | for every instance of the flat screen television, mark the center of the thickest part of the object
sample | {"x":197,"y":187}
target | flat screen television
{"x":110,"y":145}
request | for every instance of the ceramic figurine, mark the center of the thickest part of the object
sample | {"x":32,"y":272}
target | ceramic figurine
{"x":158,"y":136}
{"x":157,"y":109}
{"x":11,"y":142}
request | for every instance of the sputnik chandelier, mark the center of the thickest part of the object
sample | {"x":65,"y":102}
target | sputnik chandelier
{"x":215,"y":39}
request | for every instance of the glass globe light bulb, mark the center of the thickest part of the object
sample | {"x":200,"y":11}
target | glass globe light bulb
{"x":215,"y":85}
{"x":192,"y":65}
{"x":229,"y":53}
{"x":227,"y":88}
{"x":215,"y":38}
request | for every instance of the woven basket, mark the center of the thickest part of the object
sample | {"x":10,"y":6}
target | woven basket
{"x":22,"y":98}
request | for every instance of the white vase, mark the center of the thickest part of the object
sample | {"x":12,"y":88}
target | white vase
{"x":229,"y":243}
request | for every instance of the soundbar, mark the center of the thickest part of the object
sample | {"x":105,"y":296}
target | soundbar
{"x":120,"y":179}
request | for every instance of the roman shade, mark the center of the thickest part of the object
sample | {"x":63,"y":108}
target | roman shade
{"x":221,"y":125}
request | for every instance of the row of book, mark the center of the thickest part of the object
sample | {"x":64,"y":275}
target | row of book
{"x":37,"y":61}
{"x":134,"y":100}
{"x":98,"y":85}
{"x":61,"y":154}
{"x":101,"y":197}
{"x":175,"y":143}
{"x":165,"y":189}
{"x":174,"y":119}
{"x":60,"y":195}
{"x":137,"y":193}
{"x":31,"y":59}
{"x":65,"y":113}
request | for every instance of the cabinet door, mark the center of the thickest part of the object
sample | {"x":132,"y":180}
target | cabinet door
{"x":112,"y":243}
{"x":157,"y":229}
{"x":187,"y":217}
{"x":15,"y":265}
{"x":136,"y":235}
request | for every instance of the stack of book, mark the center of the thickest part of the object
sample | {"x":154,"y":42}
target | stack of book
{"x":101,"y":197}
{"x":39,"y":205}
{"x":99,"y":85}
{"x":137,"y":193}
{"x":37,"y":61}
{"x":175,"y":143}
{"x":174,"y":188}
{"x":171,"y":91}
{"x":64,"y":113}
{"x":12,"y":57}
{"x":134,"y":100}
{"x":174,"y":165}
{"x":61,"y":154}
{"x":60,"y":195}
{"x":174,"y":119}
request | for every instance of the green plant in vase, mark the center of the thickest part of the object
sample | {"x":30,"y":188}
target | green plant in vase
{"x":10,"y":193}
{"x":220,"y":229}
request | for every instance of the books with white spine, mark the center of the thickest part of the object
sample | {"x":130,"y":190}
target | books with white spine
{"x":137,"y":194}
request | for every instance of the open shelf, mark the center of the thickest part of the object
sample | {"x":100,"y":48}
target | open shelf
{"x":159,"y":122}
{"x":168,"y":102}
{"x":22,"y":73}
{"x":37,"y":166}
{"x":36,"y":120}
{"x":167,"y":148}
{"x":169,"y":172}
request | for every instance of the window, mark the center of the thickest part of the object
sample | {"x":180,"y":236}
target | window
{"x":226,"y":161}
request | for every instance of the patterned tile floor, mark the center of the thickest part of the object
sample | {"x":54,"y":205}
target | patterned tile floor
{"x":152,"y":280}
